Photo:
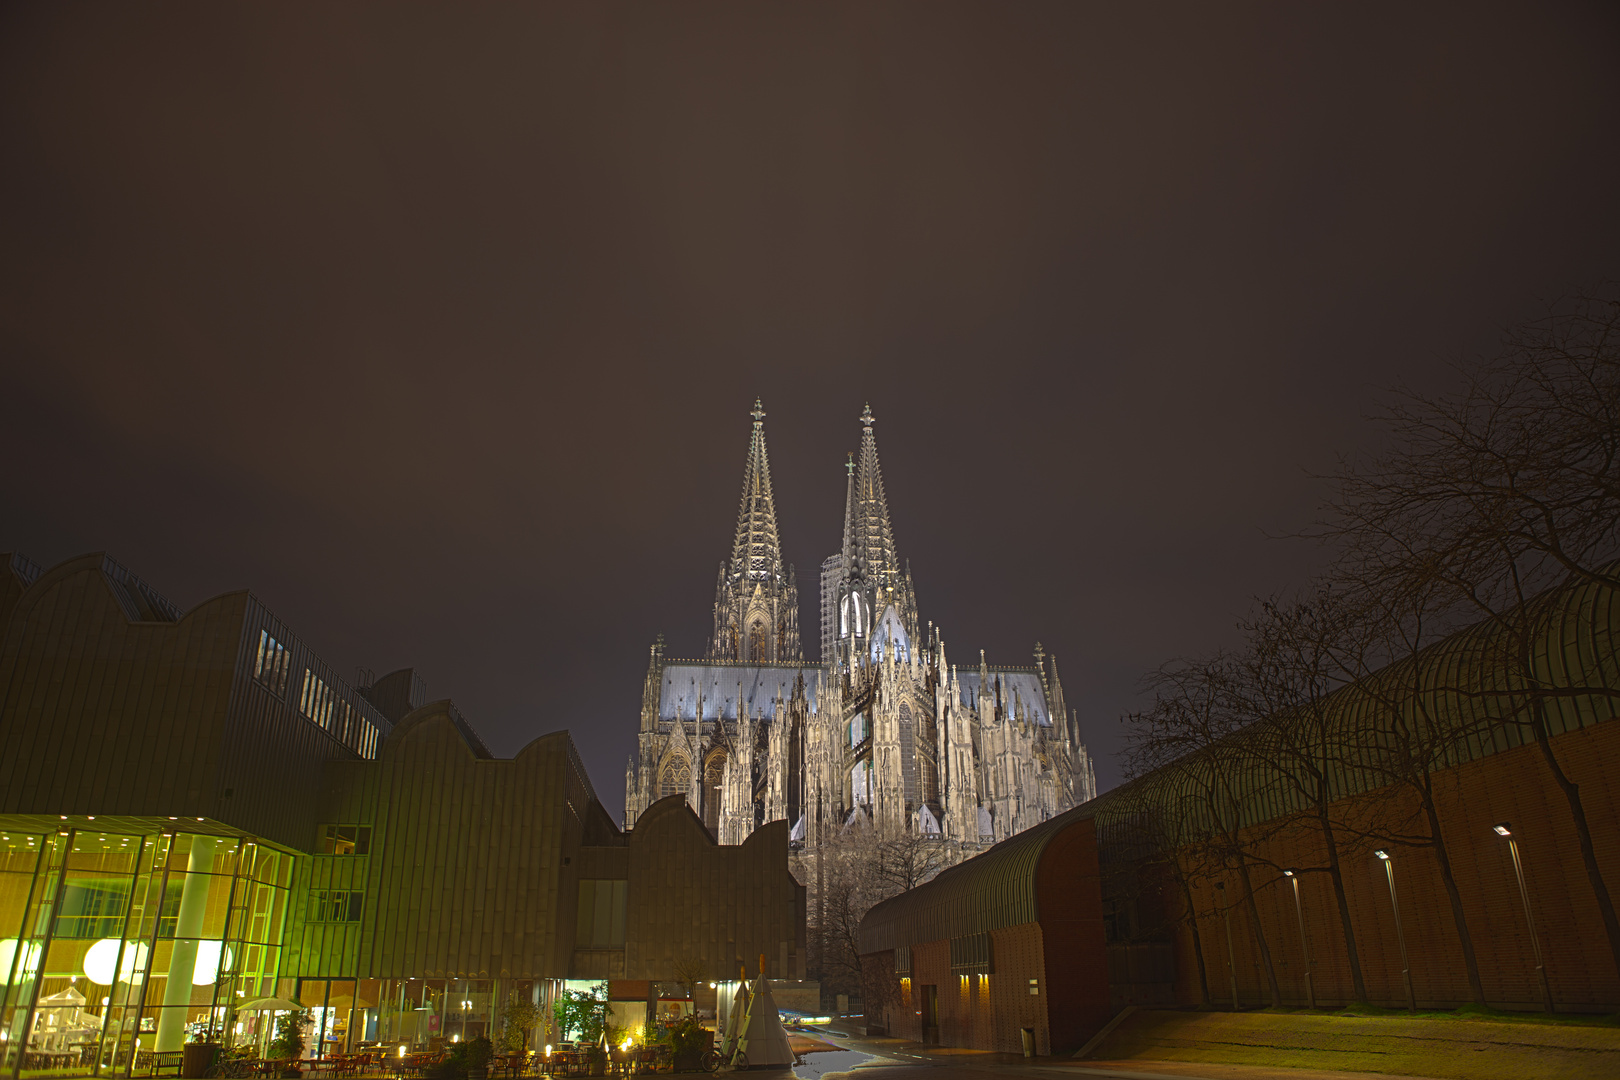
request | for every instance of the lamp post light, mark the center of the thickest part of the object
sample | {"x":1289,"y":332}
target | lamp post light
{"x":1304,"y":945}
{"x":1231,"y":956}
{"x":1400,"y":936}
{"x":1505,"y":831}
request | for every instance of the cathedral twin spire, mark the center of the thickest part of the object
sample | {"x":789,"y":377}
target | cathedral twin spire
{"x":756,"y":602}
{"x":868,"y":537}
{"x":757,"y":553}
{"x":756,"y":597}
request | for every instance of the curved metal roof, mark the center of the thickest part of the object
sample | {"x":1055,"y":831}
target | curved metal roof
{"x":987,"y":892}
{"x":1460,"y":685}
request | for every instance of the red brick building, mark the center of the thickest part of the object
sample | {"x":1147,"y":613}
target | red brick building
{"x":1102,"y":916}
{"x":1009,"y":940}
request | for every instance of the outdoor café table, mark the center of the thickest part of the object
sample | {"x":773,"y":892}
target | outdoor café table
{"x":507,"y":1064}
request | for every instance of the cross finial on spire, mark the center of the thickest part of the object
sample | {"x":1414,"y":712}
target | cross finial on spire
{"x":866,"y":415}
{"x":759,"y":413}
{"x":850,"y":464}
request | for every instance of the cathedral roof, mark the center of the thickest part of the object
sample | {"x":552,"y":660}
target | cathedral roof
{"x":890,"y":628}
{"x":1025,"y":682}
{"x":718,"y":685}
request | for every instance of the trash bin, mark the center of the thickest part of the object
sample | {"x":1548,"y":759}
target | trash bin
{"x":197,"y":1058}
{"x":1029,"y":1041}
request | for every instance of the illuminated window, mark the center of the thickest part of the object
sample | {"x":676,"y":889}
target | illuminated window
{"x":317,"y":700}
{"x":271,"y":665}
{"x":334,"y":905}
{"x":345,"y":839}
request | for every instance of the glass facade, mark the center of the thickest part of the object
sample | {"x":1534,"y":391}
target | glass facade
{"x":413,"y":1014}
{"x":116,"y":946}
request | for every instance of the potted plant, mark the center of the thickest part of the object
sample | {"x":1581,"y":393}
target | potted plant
{"x":476,"y":1053}
{"x":197,"y":1057}
{"x":288,"y":1045}
{"x":690,"y":1040}
{"x":466,"y":1061}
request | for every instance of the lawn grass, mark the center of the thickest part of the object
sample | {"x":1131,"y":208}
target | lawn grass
{"x":1453,"y":1045}
{"x":1466,"y":1012}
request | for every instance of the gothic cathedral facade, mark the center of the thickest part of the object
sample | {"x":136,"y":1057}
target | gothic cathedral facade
{"x":884,"y":730}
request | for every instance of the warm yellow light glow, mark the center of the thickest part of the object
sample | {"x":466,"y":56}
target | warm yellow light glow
{"x":548,"y":1049}
{"x":401,"y":1049}
{"x":626,"y":1046}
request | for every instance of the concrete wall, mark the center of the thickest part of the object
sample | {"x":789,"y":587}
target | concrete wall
{"x":721,"y":905}
{"x":470,"y":873}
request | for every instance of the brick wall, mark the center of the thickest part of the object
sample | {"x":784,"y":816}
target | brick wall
{"x":1511,"y":786}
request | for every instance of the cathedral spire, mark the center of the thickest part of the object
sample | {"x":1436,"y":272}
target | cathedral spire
{"x":849,"y":512}
{"x":756,"y":600}
{"x":756,"y":554}
{"x":872,"y":534}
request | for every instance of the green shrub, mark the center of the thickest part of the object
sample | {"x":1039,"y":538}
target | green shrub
{"x":583,"y":1014}
{"x":518,"y":1018}
{"x":689,"y":1040}
{"x":291,"y":1031}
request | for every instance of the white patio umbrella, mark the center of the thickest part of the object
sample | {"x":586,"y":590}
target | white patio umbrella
{"x":271,"y":1004}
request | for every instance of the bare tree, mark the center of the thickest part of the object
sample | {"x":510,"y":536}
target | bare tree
{"x":1293,"y":663}
{"x":859,"y":870}
{"x":1148,"y":840}
{"x":1187,"y":736}
{"x":1399,"y":728}
{"x":908,"y":860}
{"x":1494,"y":494}
{"x":689,"y":972}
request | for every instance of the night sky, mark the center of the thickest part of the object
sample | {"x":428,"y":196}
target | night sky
{"x":439,"y":328}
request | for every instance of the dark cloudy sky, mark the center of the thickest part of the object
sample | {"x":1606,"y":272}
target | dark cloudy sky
{"x":438,"y":328}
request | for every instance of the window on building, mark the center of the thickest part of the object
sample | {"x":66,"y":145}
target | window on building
{"x":599,"y":923}
{"x":858,"y":730}
{"x":345,"y":839}
{"x":714,"y":774}
{"x":271,"y":665}
{"x":335,"y":905}
{"x":677,"y":777}
{"x":317,"y":699}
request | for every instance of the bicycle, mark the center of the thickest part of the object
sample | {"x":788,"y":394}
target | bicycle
{"x":230,"y":1068}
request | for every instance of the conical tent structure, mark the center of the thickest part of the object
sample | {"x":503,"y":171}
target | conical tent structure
{"x":736,"y":1017}
{"x":764,"y":1041}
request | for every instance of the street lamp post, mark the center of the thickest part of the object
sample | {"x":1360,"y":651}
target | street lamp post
{"x":1304,"y":945}
{"x":1400,"y":936}
{"x":1231,"y":956}
{"x":1505,"y":830}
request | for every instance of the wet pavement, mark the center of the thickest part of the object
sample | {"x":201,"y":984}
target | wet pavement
{"x":867,"y":1058}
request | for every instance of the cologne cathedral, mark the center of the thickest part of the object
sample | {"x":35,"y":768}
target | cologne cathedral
{"x":884,"y":730}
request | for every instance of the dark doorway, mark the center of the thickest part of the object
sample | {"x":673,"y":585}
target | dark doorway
{"x":930,"y":1014}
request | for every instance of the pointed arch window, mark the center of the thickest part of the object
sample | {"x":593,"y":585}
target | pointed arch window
{"x":677,"y":777}
{"x":714,"y":774}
